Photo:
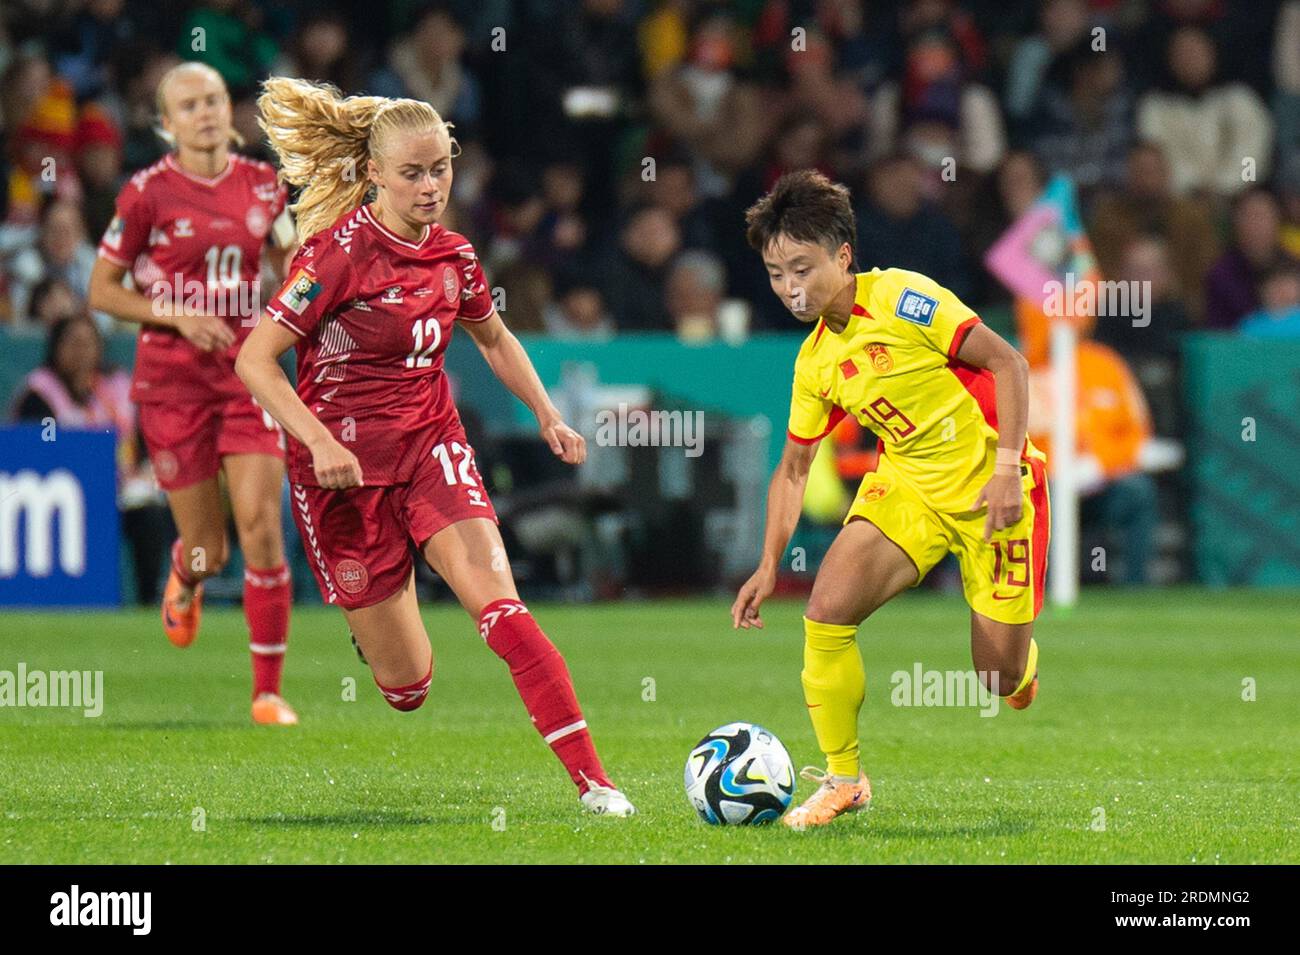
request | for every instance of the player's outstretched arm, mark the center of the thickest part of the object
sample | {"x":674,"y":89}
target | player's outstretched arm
{"x":108,"y":294}
{"x":784,"y":502}
{"x":985,"y":348}
{"x":335,"y":466}
{"x":511,"y":364}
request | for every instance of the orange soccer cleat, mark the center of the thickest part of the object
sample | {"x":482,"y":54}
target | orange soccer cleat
{"x":270,"y":709}
{"x":831,"y":799}
{"x":181,"y":623}
{"x":1018,"y":701}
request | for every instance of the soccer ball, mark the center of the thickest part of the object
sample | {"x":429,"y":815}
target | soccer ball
{"x":739,"y":775}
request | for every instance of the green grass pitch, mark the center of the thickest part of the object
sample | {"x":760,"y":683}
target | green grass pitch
{"x":1140,"y":727}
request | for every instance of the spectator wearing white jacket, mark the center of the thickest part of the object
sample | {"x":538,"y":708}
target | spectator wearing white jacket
{"x":62,"y":251}
{"x":1218,"y":137}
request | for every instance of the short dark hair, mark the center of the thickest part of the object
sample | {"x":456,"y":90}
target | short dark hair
{"x":808,"y":207}
{"x":59,"y":330}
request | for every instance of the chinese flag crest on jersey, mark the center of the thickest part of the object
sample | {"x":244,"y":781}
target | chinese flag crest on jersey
{"x":875,"y":490}
{"x":880,"y":358}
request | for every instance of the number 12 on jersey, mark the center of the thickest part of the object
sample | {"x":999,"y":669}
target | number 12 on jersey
{"x":466,"y":459}
{"x":464,"y":472}
{"x":421,"y":354}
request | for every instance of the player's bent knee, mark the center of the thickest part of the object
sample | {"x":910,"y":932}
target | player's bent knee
{"x":834,"y":612}
{"x":261,"y":535}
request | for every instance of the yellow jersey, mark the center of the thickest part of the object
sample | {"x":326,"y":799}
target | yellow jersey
{"x":894,"y":367}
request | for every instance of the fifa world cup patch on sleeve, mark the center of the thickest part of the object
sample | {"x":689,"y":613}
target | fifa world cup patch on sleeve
{"x":915,"y":307}
{"x":300,"y":291}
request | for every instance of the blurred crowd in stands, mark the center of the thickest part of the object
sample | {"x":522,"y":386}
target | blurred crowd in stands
{"x":610,"y":148}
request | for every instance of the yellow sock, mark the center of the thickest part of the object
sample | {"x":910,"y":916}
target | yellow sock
{"x":834,"y":685}
{"x":1031,"y":668}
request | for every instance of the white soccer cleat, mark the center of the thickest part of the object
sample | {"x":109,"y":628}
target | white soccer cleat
{"x":605,"y":800}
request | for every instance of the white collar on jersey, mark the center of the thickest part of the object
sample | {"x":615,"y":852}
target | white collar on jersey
{"x":424,"y":236}
{"x":170,"y":159}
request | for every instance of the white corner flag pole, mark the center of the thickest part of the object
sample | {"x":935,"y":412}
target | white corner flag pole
{"x":1063,"y":558}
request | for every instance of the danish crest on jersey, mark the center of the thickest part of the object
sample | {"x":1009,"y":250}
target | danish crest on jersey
{"x":267,"y":192}
{"x":450,"y":287}
{"x":352,"y":576}
{"x":301,"y":290}
{"x":880,"y":357}
{"x":256,"y":221}
{"x":915,"y":307}
{"x":166,"y":464}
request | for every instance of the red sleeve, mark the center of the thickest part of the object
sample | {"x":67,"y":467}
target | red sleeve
{"x":321,"y":278}
{"x":960,"y":334}
{"x":836,"y":416}
{"x":128,"y":234}
{"x":475,"y":296}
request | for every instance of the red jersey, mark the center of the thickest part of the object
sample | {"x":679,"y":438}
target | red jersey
{"x":197,"y":241}
{"x":375,"y":313}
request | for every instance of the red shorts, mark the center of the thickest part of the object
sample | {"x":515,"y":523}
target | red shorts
{"x":187,"y":441}
{"x":357,"y":541}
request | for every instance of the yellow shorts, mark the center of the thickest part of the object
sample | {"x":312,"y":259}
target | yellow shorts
{"x":1003,"y":579}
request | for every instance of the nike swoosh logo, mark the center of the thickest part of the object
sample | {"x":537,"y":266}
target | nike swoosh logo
{"x":167,"y":612}
{"x":812,"y":706}
{"x":1005,"y":596}
{"x":826,"y":392}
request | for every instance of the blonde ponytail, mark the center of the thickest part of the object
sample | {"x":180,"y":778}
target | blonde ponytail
{"x":323,"y":140}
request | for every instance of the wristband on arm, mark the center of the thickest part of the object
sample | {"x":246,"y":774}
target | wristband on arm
{"x":1007,"y":461}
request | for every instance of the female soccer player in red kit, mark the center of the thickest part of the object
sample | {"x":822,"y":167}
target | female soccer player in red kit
{"x":378,"y":455}
{"x":191,"y":229}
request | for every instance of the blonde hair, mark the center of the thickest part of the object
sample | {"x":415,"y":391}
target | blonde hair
{"x":323,"y":140}
{"x":160,"y":99}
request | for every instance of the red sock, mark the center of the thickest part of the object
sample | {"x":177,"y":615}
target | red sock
{"x":267,"y":597}
{"x":409,"y":697}
{"x":181,"y":568}
{"x":545,"y":687}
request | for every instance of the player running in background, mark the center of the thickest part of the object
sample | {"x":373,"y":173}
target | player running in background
{"x":190,"y":229}
{"x":948,"y":400}
{"x":378,"y":457}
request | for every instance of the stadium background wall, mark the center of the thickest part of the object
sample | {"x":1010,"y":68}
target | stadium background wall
{"x":1239,"y":393}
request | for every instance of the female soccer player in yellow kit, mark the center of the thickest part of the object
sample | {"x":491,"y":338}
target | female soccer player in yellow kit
{"x":948,"y":400}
